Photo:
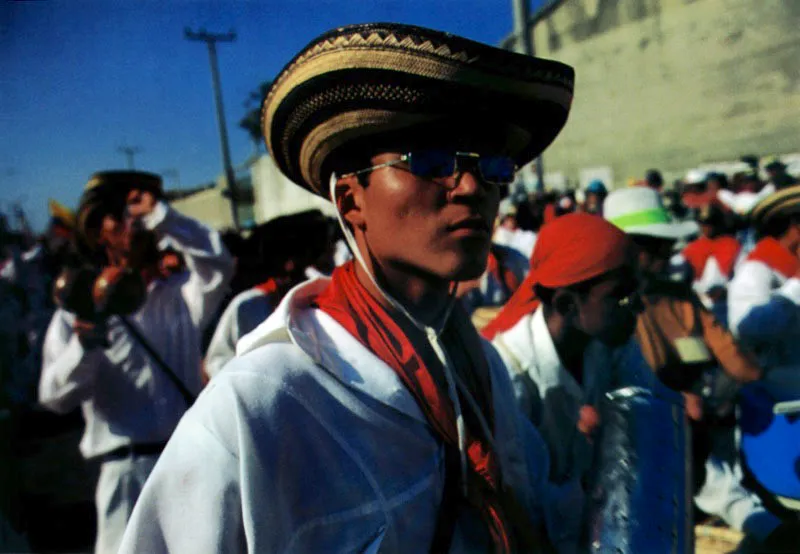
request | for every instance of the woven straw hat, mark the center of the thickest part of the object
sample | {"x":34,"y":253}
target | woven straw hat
{"x":783,"y":202}
{"x":369,"y":80}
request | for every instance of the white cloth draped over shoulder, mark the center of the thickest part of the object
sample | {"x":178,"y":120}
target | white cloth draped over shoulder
{"x":307,"y":442}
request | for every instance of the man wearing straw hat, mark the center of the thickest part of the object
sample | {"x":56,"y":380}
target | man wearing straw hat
{"x":764,"y":295}
{"x":108,"y":364}
{"x":366,"y":414}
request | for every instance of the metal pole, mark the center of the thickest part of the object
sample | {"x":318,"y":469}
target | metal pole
{"x":524,"y":45}
{"x":211,"y":40}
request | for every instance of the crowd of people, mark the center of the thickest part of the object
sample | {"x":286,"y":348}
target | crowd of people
{"x":436,"y":368}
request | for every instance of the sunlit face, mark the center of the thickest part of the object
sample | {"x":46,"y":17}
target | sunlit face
{"x":436,"y":227}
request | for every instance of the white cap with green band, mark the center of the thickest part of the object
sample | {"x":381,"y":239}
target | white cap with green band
{"x":639,"y":211}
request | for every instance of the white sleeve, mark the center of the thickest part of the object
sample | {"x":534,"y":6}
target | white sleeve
{"x":208,"y":261}
{"x":68,"y":371}
{"x":791,"y":290}
{"x":222,"y":347}
{"x":750,"y":287}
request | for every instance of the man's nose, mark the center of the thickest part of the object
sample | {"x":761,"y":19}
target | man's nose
{"x":469,"y":182}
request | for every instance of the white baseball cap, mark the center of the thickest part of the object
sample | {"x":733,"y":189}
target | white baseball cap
{"x":639,"y":211}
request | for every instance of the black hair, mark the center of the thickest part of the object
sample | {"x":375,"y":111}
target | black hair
{"x":653,"y":178}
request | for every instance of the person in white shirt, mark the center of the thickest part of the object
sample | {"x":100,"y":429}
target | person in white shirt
{"x":366,"y":414}
{"x":284,"y":252}
{"x":557,"y":337}
{"x":129,"y":403}
{"x":764,"y":295}
{"x":581,"y":290}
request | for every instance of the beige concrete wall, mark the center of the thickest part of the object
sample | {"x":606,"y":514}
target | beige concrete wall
{"x":674,"y":84}
{"x":209,"y":207}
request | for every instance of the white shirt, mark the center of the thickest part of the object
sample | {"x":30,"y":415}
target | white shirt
{"x":246,"y":311}
{"x":307,"y":442}
{"x":519,"y":239}
{"x":124,"y":396}
{"x":553,"y":401}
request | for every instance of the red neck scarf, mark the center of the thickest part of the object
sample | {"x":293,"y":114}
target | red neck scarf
{"x":697,"y":253}
{"x":723,"y":249}
{"x":777,"y":257}
{"x":571,"y":249}
{"x":350,"y":304}
{"x":726,"y":250}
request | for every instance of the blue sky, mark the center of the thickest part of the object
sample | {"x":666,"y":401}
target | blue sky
{"x":79,"y":79}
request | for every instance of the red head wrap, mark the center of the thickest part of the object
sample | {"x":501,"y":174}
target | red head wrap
{"x":569,"y":250}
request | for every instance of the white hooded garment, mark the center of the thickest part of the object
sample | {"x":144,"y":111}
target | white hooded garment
{"x":307,"y":442}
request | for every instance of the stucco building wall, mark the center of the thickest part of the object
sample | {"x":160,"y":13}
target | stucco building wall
{"x":674,"y":84}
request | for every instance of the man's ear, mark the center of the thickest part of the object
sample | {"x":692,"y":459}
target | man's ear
{"x":350,"y":200}
{"x":563,"y":302}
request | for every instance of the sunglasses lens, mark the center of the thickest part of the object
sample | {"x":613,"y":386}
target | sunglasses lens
{"x":497,"y":169}
{"x":432,"y":164}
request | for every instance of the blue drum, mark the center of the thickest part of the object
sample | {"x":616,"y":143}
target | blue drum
{"x":770,"y":442}
{"x":639,"y":492}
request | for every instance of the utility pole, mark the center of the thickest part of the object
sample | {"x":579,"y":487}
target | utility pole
{"x":130,"y":152}
{"x":524,"y":45}
{"x":211,"y":40}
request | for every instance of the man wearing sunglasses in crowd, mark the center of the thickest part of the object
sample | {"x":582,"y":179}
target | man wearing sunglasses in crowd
{"x":366,"y":414}
{"x":93,"y":360}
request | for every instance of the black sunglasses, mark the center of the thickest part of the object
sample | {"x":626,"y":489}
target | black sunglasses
{"x":440,"y":164}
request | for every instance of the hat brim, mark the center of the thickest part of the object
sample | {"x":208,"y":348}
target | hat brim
{"x":783,"y":202}
{"x":370,"y":80}
{"x":670,"y":231}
